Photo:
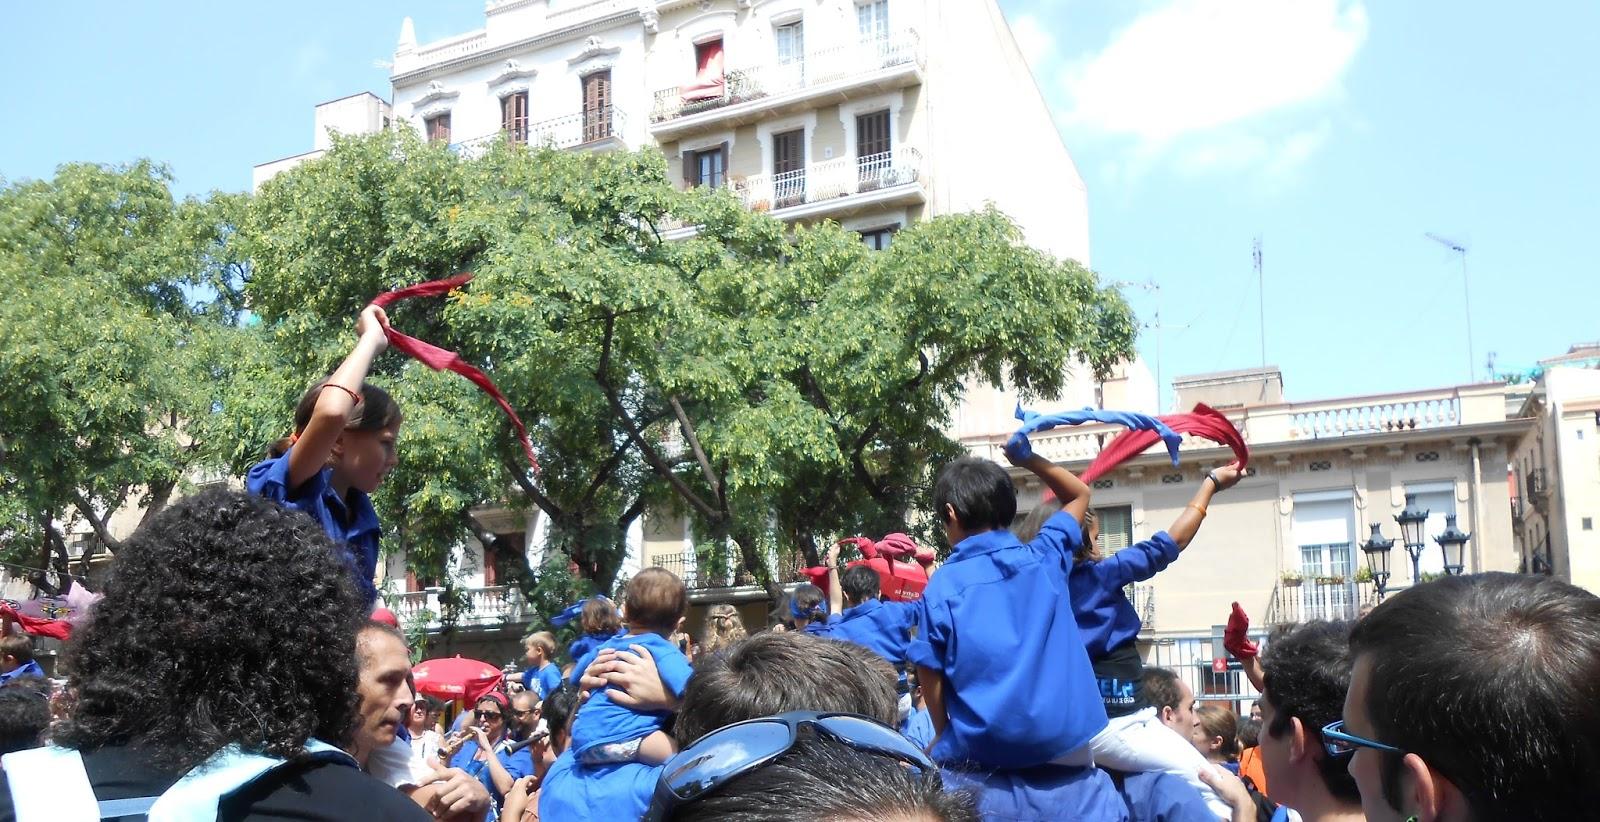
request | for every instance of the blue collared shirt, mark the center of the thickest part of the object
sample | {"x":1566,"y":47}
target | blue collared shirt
{"x":1158,"y":796}
{"x":573,"y":791}
{"x":1106,"y":619}
{"x":996,"y":622}
{"x":351,"y":521}
{"x":883,"y":628}
{"x":518,"y":764}
{"x":601,"y":721}
{"x":29,"y":668}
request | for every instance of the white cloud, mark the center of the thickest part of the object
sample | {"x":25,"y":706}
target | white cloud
{"x":1217,"y":84}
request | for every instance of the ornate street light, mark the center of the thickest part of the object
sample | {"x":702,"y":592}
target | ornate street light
{"x":1377,"y":549}
{"x":1454,"y":542}
{"x":1413,"y":522}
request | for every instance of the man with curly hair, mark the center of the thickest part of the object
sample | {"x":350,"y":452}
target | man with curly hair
{"x":226,"y":638}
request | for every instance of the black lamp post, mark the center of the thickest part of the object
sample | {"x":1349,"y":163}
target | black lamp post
{"x":1413,"y":523}
{"x":1377,"y":549}
{"x":1454,"y":542}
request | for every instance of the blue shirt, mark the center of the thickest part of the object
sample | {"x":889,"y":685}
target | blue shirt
{"x":601,"y":721}
{"x":543,"y":681}
{"x":918,"y":727}
{"x":574,"y":791}
{"x":1047,"y":792}
{"x":996,"y":622}
{"x":517,"y":764}
{"x":1106,"y":619}
{"x":354,"y":525}
{"x":1158,"y":796}
{"x":820,"y":628}
{"x":883,"y":628}
{"x":29,"y":668}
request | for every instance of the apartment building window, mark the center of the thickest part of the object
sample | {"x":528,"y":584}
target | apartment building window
{"x":789,"y":168}
{"x":708,"y":72}
{"x":879,"y":239}
{"x":1116,"y":528}
{"x":707,"y":167}
{"x":873,"y":150}
{"x":1323,"y":528}
{"x":791,"y":53}
{"x":597,"y":106}
{"x":514,"y":116}
{"x":438,"y":127}
{"x":872,"y":17}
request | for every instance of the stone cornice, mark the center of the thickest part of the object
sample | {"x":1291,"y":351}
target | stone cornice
{"x":500,"y":53}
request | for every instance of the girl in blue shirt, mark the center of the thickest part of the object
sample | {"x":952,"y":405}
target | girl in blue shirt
{"x":342,"y":447}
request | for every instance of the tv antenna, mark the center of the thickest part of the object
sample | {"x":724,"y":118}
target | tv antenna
{"x":1458,"y":248}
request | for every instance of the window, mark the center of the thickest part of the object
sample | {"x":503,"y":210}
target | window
{"x":597,"y":106}
{"x":789,"y":168}
{"x":438,"y":128}
{"x":1323,"y":530}
{"x":873,"y":153}
{"x":706,"y":167}
{"x":1116,"y":528}
{"x":791,"y":53}
{"x":1588,"y":523}
{"x":708,"y":80}
{"x":872,"y":17}
{"x":514,"y":116}
{"x":879,"y":239}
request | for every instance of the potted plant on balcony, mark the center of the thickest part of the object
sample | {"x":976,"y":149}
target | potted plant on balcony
{"x":1292,"y":579}
{"x":1331,"y":579}
{"x":1364,"y":575}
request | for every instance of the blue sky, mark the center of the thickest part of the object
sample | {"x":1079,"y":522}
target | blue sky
{"x":1338,"y":131}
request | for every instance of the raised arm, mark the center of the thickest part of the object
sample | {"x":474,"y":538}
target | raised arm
{"x":1073,"y":492}
{"x":835,"y":591}
{"x":339,"y":395}
{"x":1187,"y":525}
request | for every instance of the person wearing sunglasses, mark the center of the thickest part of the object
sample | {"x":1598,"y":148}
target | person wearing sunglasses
{"x":1476,"y":698}
{"x":805,"y":765}
{"x":485,"y":751}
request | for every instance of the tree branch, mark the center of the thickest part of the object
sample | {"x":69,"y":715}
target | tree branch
{"x":545,"y":504}
{"x":694,"y":445}
{"x":99,"y":525}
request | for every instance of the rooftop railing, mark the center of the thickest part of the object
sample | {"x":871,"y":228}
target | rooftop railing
{"x":569,"y":131}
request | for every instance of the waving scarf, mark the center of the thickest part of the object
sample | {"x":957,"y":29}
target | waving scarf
{"x":1204,"y":422}
{"x":1018,"y":448}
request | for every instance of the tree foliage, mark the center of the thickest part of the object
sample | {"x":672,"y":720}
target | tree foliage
{"x":118,"y":331}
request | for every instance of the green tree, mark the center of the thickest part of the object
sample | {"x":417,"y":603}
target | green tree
{"x":119,"y":329}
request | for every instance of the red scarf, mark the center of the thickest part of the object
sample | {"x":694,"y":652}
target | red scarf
{"x":440,"y":359}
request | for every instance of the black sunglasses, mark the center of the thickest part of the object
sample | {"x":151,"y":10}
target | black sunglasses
{"x":490,"y":715}
{"x":737,"y":749}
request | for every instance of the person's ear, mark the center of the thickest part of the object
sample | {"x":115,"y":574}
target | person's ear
{"x":1299,"y":740}
{"x":950,"y":517}
{"x":1427,"y":792}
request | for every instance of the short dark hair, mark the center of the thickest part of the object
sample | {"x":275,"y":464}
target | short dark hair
{"x":656,"y":599}
{"x":18,"y":647}
{"x":1494,"y":680}
{"x":771,"y":673}
{"x":182,"y":683}
{"x":1159,"y":687}
{"x":860,"y":584}
{"x":820,"y":779}
{"x":377,"y":411}
{"x":24,"y":715}
{"x":1307,"y":672}
{"x":808,"y":602}
{"x":980,"y":492}
{"x":1249,"y":732}
{"x":559,"y":707}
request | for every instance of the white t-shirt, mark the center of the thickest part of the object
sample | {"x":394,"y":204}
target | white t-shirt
{"x":425,"y":746}
{"x":398,"y":767}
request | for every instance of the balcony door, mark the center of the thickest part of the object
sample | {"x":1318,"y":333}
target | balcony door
{"x":514,"y":116}
{"x":791,"y":42}
{"x":872,"y":20}
{"x":789,"y":168}
{"x":1323,"y":532}
{"x":597,"y":106}
{"x":874,"y":157}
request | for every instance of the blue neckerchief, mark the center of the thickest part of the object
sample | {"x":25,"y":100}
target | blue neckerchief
{"x":569,"y":613}
{"x":803,"y":613}
{"x":1019,"y":448}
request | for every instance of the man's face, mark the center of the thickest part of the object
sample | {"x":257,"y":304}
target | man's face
{"x":1182,"y":719}
{"x":524,"y":715}
{"x":1365,"y":763}
{"x":384,"y":695}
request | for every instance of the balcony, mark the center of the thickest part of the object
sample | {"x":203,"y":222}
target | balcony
{"x":1143,"y":597}
{"x":491,"y":607}
{"x":594,"y":130}
{"x":890,"y":178}
{"x":1313,"y":598}
{"x":762,"y":90}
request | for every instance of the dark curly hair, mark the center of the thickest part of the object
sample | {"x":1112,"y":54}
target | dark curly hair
{"x":226,"y":619}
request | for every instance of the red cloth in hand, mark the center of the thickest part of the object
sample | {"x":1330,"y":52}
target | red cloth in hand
{"x":440,"y":359}
{"x":1236,"y":637}
{"x":1204,"y":422}
{"x":34,"y":626}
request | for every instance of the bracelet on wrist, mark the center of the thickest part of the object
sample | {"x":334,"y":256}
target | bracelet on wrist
{"x":1215,"y":483}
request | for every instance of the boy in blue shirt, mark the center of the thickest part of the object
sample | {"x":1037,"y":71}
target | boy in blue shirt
{"x":998,"y":655}
{"x":883,"y":628}
{"x":542,"y":676}
{"x":606,"y":732}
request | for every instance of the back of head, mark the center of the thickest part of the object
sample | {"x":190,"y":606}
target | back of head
{"x":723,"y":628}
{"x":1249,"y":732}
{"x":24,"y":715}
{"x":1516,"y":660}
{"x":980,"y":492}
{"x":1159,"y":687}
{"x":860,"y":584}
{"x":806,"y":603}
{"x":1307,"y":670}
{"x":377,"y":411}
{"x":559,"y":707}
{"x":821,"y":780}
{"x":1220,"y":723}
{"x":657,"y":599}
{"x":17,"y":646}
{"x":226,"y":619}
{"x":771,"y":673}
{"x":599,"y":616}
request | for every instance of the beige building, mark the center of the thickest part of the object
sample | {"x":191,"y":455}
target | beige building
{"x":1285,"y":542}
{"x":1555,"y":470}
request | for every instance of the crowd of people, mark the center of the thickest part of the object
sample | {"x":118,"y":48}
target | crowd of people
{"x":234,"y":669}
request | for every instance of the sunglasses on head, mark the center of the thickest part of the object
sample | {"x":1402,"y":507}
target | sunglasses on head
{"x":724,"y":754}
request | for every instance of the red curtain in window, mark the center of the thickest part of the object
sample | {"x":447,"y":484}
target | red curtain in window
{"x":708,"y":80}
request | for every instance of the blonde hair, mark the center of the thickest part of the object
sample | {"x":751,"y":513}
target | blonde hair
{"x":544,"y":641}
{"x":723,"y":628}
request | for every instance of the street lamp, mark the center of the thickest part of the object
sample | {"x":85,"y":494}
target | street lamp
{"x":1377,"y":549}
{"x":1454,"y":542}
{"x":1413,"y":522}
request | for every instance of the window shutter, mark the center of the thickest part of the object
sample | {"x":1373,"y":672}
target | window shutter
{"x":724,"y":148}
{"x":691,"y":168}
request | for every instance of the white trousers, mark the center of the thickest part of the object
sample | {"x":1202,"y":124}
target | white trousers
{"x":1140,"y":742}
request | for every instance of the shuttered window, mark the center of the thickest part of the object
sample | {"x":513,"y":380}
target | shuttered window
{"x":706,"y":167}
{"x":597,"y":106}
{"x":872,"y":134}
{"x":438,"y":127}
{"x":789,"y":168}
{"x":514,"y":116}
{"x":1116,"y":528}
